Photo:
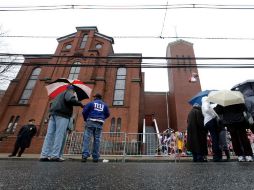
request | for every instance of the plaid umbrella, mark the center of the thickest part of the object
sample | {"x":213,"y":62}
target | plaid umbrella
{"x":58,"y":86}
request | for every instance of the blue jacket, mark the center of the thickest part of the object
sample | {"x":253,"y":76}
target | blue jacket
{"x":96,"y":110}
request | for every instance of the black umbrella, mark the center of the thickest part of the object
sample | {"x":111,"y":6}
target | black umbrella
{"x":243,"y":86}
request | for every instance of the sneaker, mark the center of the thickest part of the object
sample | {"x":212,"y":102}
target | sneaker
{"x":44,"y":160}
{"x":95,"y":160}
{"x":84,"y":159}
{"x":249,"y":159}
{"x":241,"y":159}
{"x":11,"y":155}
{"x":56,"y":160}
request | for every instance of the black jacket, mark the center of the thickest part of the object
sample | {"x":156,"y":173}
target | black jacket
{"x":196,"y":132}
{"x":232,"y":114}
{"x":25,"y":135}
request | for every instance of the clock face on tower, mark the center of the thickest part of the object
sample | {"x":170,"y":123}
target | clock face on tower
{"x":69,"y":46}
{"x":98,"y":46}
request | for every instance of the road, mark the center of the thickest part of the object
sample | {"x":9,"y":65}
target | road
{"x":32,"y":174}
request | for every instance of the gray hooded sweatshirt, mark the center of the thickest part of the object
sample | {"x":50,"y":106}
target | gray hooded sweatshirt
{"x":63,"y":104}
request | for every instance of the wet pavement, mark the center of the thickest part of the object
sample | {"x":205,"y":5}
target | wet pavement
{"x":32,"y":174}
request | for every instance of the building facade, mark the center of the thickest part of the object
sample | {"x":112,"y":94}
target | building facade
{"x":88,"y":55}
{"x":183,"y":82}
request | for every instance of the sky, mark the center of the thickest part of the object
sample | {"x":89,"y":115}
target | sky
{"x":204,"y":23}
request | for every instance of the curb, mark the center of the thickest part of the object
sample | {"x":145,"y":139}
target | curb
{"x":117,"y":160}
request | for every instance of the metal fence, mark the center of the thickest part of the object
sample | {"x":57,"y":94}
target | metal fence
{"x":126,"y":145}
{"x":121,"y":144}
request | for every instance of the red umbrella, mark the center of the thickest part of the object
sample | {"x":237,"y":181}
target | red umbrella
{"x":82,"y":90}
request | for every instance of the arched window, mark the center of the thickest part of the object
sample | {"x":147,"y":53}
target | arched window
{"x":112,"y":127}
{"x":118,"y":126}
{"x":120,"y":87}
{"x":29,"y":86}
{"x":83,"y":42}
{"x":10,"y":124}
{"x":15,"y":123}
{"x":74,"y":72}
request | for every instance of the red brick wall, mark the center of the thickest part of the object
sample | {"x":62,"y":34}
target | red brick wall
{"x":100,"y":79}
{"x":7,"y":145}
{"x":181,"y":90}
{"x":156,"y":104}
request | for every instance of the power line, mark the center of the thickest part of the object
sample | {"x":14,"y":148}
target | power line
{"x":129,"y":65}
{"x":125,"y":7}
{"x":140,"y":37}
{"x":164,"y":19}
{"x":111,"y":57}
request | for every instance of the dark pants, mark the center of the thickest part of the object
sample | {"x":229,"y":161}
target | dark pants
{"x":212,"y":127}
{"x":223,"y":142}
{"x":240,"y":141}
{"x":18,"y":149}
{"x":198,"y":157}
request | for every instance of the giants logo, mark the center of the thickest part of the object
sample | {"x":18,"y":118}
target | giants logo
{"x":98,"y":107}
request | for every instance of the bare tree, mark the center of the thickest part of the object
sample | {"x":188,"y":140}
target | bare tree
{"x":9,"y":64}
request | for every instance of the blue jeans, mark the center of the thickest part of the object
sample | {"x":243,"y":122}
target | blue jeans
{"x":54,"y":138}
{"x":92,"y":129}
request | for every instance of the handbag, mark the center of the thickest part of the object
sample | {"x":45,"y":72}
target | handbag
{"x":248,"y":117}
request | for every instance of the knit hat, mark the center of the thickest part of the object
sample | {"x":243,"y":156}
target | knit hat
{"x":97,"y":95}
{"x":70,"y":87}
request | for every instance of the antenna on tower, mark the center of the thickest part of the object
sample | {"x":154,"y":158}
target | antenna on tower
{"x":176,"y":32}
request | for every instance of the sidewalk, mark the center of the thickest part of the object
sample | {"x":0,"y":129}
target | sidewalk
{"x":159,"y":158}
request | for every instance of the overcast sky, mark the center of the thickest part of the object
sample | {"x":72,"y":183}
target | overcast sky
{"x":204,"y":23}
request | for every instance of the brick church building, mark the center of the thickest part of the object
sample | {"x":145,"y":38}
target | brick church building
{"x":88,"y":55}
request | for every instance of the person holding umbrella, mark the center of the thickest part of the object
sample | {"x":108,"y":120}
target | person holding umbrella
{"x":210,"y":123}
{"x":231,"y":108}
{"x":249,"y":102}
{"x":60,"y":112}
{"x":196,"y":134}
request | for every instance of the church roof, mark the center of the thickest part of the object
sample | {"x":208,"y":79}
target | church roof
{"x":83,"y":28}
{"x":180,"y":41}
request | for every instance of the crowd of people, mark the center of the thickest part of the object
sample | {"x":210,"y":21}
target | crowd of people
{"x":222,"y":123}
{"x":212,"y":129}
{"x":176,"y":143}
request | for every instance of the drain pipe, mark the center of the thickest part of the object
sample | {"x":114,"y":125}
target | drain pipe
{"x":144,"y":136}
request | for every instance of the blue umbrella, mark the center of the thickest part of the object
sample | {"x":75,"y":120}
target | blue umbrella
{"x":198,"y":97}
